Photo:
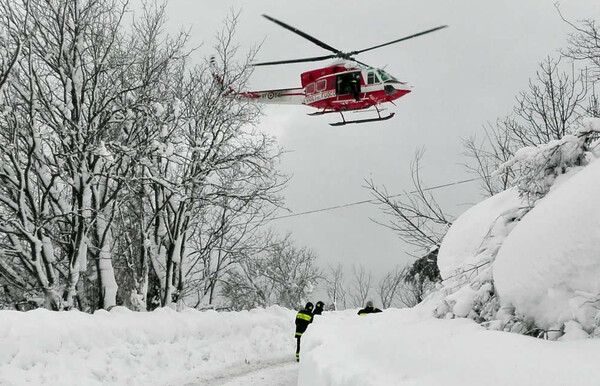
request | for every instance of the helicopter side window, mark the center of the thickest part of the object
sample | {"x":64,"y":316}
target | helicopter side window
{"x":310,"y":88}
{"x":372,"y":78}
{"x":321,"y":85}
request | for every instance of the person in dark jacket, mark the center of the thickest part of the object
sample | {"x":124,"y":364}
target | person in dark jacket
{"x":369,"y":309}
{"x":354,"y":88}
{"x":303,"y":319}
{"x":319,"y":308}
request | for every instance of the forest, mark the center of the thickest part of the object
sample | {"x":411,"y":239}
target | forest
{"x":130,"y":175}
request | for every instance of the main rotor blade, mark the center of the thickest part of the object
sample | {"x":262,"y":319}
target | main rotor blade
{"x":399,"y":40}
{"x":304,"y":35}
{"x":313,"y":59}
{"x":359,"y":62}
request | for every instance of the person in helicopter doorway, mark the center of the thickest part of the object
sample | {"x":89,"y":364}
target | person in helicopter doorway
{"x":303,"y":319}
{"x":354,"y":87}
{"x":319,"y":308}
{"x":369,"y":309}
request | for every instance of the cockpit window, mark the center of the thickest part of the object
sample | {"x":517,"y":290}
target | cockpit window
{"x":385,"y":76}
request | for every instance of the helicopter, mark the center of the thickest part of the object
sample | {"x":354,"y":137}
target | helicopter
{"x":345,"y":85}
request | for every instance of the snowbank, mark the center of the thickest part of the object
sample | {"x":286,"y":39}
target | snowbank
{"x":410,"y":347}
{"x":467,"y":255}
{"x":464,"y":245}
{"x":549,"y":267}
{"x":122,"y":347}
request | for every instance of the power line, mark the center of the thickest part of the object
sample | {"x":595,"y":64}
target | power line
{"x":370,"y":201}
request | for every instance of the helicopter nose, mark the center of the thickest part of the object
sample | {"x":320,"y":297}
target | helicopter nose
{"x":389,"y":89}
{"x":392,"y":87}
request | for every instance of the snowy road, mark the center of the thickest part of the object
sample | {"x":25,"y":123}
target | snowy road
{"x":280,"y":373}
{"x":284,"y":374}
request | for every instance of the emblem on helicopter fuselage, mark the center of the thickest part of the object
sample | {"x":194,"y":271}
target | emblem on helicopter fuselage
{"x":271,"y":94}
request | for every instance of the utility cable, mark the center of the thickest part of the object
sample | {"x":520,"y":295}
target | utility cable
{"x":370,"y":201}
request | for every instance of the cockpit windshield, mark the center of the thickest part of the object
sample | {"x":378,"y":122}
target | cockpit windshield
{"x":385,"y":76}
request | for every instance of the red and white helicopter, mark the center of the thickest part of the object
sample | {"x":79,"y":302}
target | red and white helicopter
{"x":345,"y":85}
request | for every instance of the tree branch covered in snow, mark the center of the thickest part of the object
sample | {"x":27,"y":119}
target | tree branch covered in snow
{"x":126,"y":171}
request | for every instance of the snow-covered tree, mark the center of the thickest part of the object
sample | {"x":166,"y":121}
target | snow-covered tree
{"x":61,"y":98}
{"x":208,"y":161}
{"x":116,"y":152}
{"x":13,"y":33}
{"x":280,"y":274}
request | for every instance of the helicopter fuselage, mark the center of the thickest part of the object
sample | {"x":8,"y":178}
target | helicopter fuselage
{"x":338,"y":88}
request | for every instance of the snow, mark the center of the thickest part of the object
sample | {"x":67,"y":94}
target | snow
{"x":548,"y":267}
{"x":122,"y":347}
{"x":409,"y":347}
{"x":165,"y":347}
{"x":590,"y":124}
{"x":463,"y":244}
{"x":504,"y":264}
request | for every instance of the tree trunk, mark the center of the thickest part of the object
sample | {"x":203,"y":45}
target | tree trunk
{"x":106,"y":274}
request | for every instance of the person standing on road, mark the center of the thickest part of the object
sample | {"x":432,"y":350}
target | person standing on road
{"x":303,"y":319}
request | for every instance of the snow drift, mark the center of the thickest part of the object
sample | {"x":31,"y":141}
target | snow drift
{"x":410,"y":347}
{"x":525,"y":260}
{"x":548,"y":268}
{"x":122,"y":347}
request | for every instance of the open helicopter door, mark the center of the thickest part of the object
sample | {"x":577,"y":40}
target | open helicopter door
{"x":348,"y":83}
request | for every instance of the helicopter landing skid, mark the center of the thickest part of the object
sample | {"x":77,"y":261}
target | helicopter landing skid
{"x":379,"y":118}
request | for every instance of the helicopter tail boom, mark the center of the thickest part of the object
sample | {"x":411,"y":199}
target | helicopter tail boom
{"x":284,"y":96}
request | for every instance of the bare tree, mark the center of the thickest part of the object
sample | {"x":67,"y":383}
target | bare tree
{"x":584,"y":43}
{"x":415,"y":216}
{"x":279,"y":274}
{"x":551,"y":107}
{"x":495,"y":149}
{"x":334,"y":285}
{"x":227,"y":231}
{"x":410,"y":292}
{"x":389,"y":286}
{"x":361,"y":285}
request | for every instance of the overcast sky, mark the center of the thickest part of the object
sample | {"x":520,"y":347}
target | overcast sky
{"x":463,"y":76}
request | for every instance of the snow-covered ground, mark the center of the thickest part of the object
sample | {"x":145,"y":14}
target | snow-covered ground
{"x":409,"y":347}
{"x":164,"y":347}
{"x":123,"y":347}
{"x":503,"y":262}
